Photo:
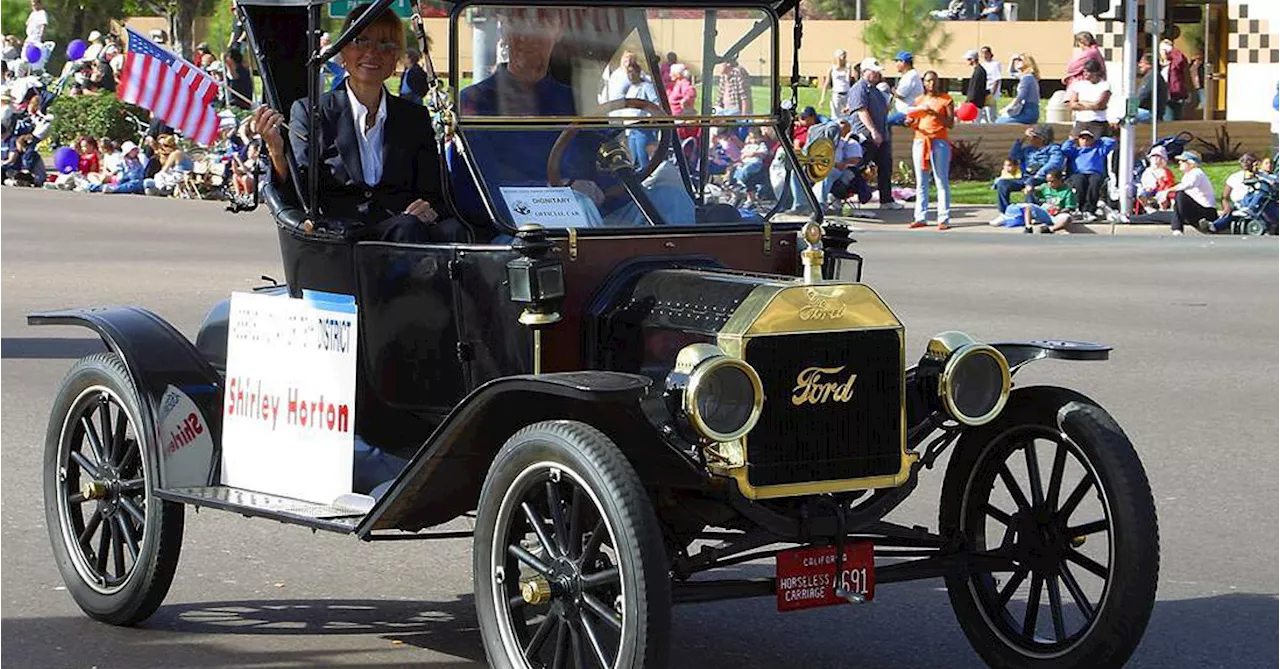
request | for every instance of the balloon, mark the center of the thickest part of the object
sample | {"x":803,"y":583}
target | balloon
{"x":76,"y":49}
{"x":967,"y":111}
{"x":66,"y":160}
{"x":32,"y":53}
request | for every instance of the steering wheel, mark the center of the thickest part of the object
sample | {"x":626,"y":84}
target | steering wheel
{"x":554,"y":177}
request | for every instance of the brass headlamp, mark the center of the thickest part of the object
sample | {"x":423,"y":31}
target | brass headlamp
{"x":973,"y":379}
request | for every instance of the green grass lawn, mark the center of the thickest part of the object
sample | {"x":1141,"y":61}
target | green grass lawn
{"x":981,"y":192}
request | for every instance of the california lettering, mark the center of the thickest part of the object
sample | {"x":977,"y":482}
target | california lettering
{"x":249,"y":399}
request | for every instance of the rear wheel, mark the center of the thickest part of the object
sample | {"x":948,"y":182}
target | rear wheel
{"x":115,"y":544}
{"x":570,"y":569}
{"x":1054,"y":486}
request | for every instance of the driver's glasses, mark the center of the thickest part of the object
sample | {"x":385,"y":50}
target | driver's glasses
{"x":368,"y":44}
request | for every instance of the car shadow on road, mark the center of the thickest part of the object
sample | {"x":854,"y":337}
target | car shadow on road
{"x":49,"y":348}
{"x":910,"y":625}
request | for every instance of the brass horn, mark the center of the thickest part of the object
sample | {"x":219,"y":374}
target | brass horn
{"x":818,"y":158}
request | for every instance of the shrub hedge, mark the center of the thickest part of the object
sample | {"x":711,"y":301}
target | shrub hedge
{"x":97,"y":115}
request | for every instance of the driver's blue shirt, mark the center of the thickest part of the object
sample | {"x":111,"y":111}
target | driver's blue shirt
{"x":519,"y":157}
{"x":512,"y":158}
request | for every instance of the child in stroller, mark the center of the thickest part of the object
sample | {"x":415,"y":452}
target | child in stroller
{"x":1249,"y":203}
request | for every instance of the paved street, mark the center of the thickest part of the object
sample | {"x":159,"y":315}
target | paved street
{"x":1193,"y":381}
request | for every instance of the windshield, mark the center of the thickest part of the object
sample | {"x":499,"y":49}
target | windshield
{"x":622,"y":117}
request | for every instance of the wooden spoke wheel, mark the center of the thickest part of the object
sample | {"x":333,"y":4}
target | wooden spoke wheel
{"x":1055,"y":487}
{"x":570,"y":569}
{"x":116,"y":546}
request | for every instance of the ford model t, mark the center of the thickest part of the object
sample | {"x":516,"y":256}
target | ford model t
{"x":664,"y":372}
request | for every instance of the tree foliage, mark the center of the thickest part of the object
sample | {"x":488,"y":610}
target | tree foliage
{"x":898,"y":25}
{"x":181,"y":14}
{"x":835,"y":9}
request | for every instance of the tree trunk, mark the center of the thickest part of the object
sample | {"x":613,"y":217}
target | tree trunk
{"x":185,"y":27}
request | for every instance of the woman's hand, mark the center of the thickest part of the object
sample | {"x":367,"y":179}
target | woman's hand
{"x":266,"y":123}
{"x":422,"y":210}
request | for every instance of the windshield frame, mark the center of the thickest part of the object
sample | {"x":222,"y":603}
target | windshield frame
{"x":768,"y":25}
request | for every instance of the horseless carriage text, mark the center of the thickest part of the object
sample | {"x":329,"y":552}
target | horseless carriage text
{"x":630,"y":382}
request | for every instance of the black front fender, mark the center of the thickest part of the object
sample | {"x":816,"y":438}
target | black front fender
{"x":443,"y":480}
{"x":161,"y":361}
{"x":1019,"y":353}
{"x":922,"y":395}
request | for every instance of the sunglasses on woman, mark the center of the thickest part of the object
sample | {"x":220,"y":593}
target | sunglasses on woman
{"x":368,"y":43}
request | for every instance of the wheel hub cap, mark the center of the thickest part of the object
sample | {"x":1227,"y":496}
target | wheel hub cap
{"x":94,"y":490}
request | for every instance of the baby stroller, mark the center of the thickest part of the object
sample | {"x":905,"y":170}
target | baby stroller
{"x":1258,"y":211}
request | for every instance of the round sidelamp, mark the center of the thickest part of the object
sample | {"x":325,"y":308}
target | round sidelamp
{"x":974,"y":384}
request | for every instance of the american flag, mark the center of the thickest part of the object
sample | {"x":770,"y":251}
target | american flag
{"x":173,"y":90}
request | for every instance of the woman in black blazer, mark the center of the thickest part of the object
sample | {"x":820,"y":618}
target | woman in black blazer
{"x":380,"y":167}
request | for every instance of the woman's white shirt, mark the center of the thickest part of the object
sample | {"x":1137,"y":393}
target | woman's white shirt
{"x":840,"y":82}
{"x":371,"y":141}
{"x":1090,"y":93}
{"x":1195,"y":183}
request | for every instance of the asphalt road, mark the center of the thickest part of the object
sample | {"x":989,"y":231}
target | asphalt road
{"x":1193,"y":381}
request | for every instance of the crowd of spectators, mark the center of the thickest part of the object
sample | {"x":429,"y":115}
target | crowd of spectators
{"x":155,"y":161}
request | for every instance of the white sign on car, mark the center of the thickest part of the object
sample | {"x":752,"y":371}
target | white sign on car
{"x":289,"y":405}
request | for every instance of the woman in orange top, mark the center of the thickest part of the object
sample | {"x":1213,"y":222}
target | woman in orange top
{"x":932,"y":115}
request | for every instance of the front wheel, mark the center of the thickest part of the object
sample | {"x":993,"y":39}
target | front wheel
{"x":1055,"y":490}
{"x":116,"y":545}
{"x":569,"y":565}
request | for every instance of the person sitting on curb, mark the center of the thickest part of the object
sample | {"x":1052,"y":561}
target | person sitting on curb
{"x":132,"y":173}
{"x":1058,"y":199}
{"x":1037,"y":155}
{"x":1193,"y":196}
{"x":1234,"y":192}
{"x":1087,"y":156}
{"x":1156,"y":179}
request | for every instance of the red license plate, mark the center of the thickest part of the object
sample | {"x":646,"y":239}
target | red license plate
{"x":807,"y":576}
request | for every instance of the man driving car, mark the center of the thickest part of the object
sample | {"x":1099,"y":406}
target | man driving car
{"x":523,"y":87}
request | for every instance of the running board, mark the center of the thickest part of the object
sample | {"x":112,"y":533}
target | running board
{"x":341,"y":517}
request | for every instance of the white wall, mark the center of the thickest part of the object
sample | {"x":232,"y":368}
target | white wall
{"x":1251,"y":87}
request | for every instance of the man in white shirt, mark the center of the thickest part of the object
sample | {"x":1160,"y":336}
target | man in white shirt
{"x":639,"y":88}
{"x":37,"y":21}
{"x":994,"y":74}
{"x":619,"y":80}
{"x":95,"y":46}
{"x":909,"y":87}
{"x":845,"y":162}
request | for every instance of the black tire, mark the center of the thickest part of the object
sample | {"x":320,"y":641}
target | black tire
{"x":561,"y":499}
{"x":117,"y":549}
{"x":1052,"y":550}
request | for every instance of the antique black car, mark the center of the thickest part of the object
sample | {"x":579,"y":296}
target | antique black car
{"x":668,"y":375}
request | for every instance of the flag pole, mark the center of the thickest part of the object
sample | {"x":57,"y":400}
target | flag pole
{"x":253,"y":106}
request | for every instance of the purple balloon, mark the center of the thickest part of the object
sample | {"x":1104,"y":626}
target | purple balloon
{"x":66,"y":160}
{"x":76,"y":49}
{"x":32,"y":53}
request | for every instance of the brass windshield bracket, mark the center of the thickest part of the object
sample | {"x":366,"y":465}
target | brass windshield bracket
{"x":768,"y":238}
{"x":573,"y":244}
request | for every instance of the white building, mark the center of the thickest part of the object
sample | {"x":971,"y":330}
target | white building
{"x":1240,"y":47}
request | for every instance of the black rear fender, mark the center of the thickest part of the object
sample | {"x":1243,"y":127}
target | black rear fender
{"x":180,"y":391}
{"x":443,"y":480}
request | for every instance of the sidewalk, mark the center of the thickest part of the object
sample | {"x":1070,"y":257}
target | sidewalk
{"x":971,"y":218}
